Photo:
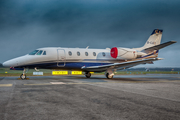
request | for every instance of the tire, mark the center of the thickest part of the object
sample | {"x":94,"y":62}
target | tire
{"x":108,"y":76}
{"x":23,"y":76}
{"x":88,"y":74}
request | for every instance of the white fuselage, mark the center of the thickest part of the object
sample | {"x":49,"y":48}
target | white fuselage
{"x":66,"y":58}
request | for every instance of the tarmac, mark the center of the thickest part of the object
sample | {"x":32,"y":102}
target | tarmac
{"x":131,"y":97}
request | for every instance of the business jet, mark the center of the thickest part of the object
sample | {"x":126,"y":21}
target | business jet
{"x":90,"y":60}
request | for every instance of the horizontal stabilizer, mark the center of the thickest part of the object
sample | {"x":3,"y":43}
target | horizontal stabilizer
{"x":157,"y":47}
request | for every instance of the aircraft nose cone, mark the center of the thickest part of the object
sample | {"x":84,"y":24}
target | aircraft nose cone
{"x":8,"y":63}
{"x":5,"y":64}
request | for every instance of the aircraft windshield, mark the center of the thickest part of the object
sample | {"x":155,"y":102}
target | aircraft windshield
{"x":39,"y":53}
{"x":34,"y":52}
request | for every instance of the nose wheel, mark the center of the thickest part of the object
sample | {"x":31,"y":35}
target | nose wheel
{"x":23,"y":76}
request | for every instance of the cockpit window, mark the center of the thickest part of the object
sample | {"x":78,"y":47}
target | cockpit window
{"x":39,"y":53}
{"x":34,"y":52}
{"x":44,"y":53}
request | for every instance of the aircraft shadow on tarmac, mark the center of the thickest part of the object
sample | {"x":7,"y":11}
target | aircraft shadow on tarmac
{"x":113,"y":79}
{"x":126,"y":79}
{"x":98,"y":78}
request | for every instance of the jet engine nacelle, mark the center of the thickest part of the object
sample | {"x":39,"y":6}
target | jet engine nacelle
{"x":123,"y":53}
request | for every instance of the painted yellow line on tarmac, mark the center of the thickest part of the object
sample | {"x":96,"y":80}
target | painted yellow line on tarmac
{"x":39,"y":84}
{"x":89,"y":83}
{"x":6,"y":85}
{"x":57,"y":83}
{"x":24,"y":79}
{"x":61,"y":83}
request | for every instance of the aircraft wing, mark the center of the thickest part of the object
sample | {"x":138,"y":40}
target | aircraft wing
{"x":157,"y":47}
{"x":119,"y":65}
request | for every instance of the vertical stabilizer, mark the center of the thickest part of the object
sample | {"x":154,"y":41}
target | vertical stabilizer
{"x":154,"y":39}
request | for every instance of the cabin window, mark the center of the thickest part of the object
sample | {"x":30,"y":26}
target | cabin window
{"x":44,"y":53}
{"x":86,"y":53}
{"x":78,"y":53}
{"x":94,"y":54}
{"x":34,"y":52}
{"x":103,"y":54}
{"x":39,"y":53}
{"x":70,"y":53}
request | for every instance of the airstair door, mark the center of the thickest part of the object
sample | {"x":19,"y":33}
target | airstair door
{"x":61,"y":58}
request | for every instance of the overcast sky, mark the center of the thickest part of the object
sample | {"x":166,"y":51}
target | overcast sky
{"x":26,"y":25}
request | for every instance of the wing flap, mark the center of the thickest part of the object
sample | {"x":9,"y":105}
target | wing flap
{"x":119,"y":65}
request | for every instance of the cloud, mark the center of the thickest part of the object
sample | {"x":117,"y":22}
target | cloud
{"x":30,"y":24}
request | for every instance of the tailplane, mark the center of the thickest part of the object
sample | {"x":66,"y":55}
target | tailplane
{"x":160,"y":46}
{"x":152,"y":46}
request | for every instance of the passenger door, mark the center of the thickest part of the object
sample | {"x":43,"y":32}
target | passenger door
{"x":61,"y":58}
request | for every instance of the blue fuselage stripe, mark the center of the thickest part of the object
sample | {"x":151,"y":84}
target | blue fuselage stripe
{"x":67,"y":65}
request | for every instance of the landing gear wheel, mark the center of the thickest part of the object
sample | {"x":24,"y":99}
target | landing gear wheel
{"x":88,"y":74}
{"x":23,"y":76}
{"x":109,"y":76}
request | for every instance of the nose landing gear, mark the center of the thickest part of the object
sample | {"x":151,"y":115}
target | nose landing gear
{"x":23,"y":76}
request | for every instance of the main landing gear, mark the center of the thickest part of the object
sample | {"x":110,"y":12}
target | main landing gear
{"x":109,"y":74}
{"x":88,"y":74}
{"x":23,"y":76}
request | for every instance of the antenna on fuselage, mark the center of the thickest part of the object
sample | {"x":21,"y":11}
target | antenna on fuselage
{"x":87,"y":47}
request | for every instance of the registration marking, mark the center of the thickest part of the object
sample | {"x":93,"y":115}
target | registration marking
{"x":5,"y":85}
